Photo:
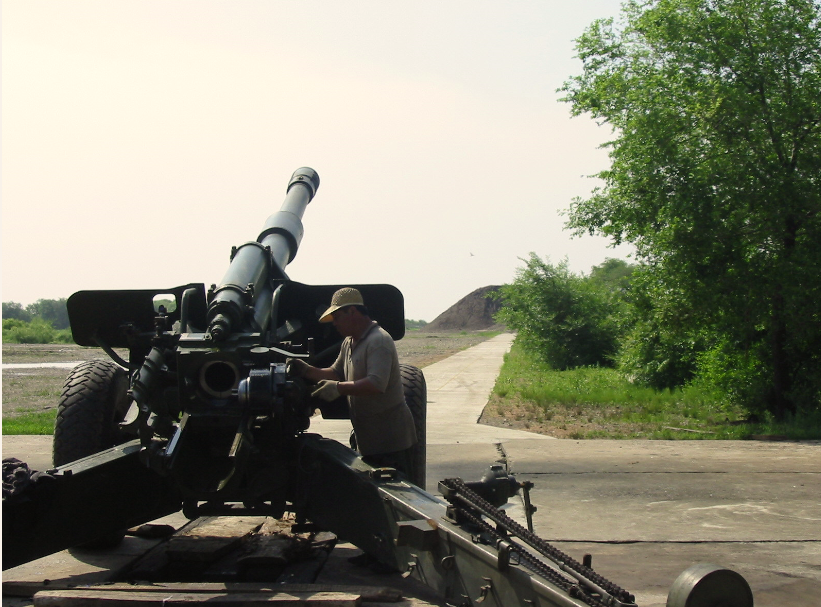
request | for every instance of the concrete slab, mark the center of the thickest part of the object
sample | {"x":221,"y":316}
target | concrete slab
{"x":780,"y":575}
{"x":34,"y":450}
{"x":630,"y":491}
{"x":647,"y":510}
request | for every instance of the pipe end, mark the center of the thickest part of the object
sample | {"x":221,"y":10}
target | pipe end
{"x":307,"y":177}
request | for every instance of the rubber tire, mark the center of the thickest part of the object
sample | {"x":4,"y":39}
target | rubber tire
{"x":416,"y":397}
{"x":93,"y":402}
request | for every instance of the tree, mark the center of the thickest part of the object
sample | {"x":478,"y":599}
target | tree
{"x":565,"y":319}
{"x":613,"y":274}
{"x":14,"y":310}
{"x":661,"y":346}
{"x":51,"y":310}
{"x":715,"y":171}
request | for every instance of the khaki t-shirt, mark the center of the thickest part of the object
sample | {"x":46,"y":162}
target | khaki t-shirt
{"x":382,"y":422}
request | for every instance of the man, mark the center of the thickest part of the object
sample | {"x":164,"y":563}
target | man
{"x":367,"y":373}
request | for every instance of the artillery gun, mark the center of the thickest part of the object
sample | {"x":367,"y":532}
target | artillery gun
{"x":203,"y":417}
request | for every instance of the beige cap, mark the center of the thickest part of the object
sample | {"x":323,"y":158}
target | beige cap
{"x":346,"y":296}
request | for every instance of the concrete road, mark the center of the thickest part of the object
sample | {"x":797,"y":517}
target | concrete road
{"x":458,"y":390}
{"x":645,"y":510}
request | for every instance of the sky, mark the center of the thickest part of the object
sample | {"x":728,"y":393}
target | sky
{"x":141,"y":140}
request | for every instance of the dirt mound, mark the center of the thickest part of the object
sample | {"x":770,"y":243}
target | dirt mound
{"x":473,"y":312}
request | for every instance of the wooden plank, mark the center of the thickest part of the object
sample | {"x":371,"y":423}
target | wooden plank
{"x":151,"y":566}
{"x":154,"y":564}
{"x":304,"y":571}
{"x":132,"y":598}
{"x":261,"y":558}
{"x":186,"y":558}
{"x":312,"y":553}
{"x":211,"y":538}
{"x":382,"y":594}
{"x":222,"y":549}
{"x":152,"y":531}
{"x":268,"y":550}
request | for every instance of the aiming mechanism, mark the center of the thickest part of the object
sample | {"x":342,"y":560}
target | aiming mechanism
{"x":204,"y":417}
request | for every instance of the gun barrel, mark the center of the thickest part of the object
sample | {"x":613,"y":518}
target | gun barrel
{"x":246,"y":284}
{"x":283,"y":230}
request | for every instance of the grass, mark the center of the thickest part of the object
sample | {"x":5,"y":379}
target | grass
{"x":30,"y":422}
{"x":600,"y":403}
{"x":30,"y":400}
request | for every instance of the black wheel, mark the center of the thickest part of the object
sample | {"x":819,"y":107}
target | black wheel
{"x":416,"y":396}
{"x":93,"y":402}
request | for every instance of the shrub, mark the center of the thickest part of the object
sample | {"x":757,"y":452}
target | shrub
{"x":564,"y":318}
{"x":37,"y":331}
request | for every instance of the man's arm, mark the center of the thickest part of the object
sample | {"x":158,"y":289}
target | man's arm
{"x":360,"y":387}
{"x":299,"y":368}
{"x":316,"y":374}
{"x":330,"y":389}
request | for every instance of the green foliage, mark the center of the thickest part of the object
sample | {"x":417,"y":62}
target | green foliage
{"x":614,"y":274}
{"x":601,"y":403}
{"x":412,"y":325}
{"x":43,"y":322}
{"x":12,"y":309}
{"x":738,"y":375}
{"x":660,"y":347}
{"x":566,"y":319}
{"x":38,"y":422}
{"x":714,"y":177}
{"x":169,"y":304}
{"x":654,"y":356}
{"x":38,"y":331}
{"x":51,"y":310}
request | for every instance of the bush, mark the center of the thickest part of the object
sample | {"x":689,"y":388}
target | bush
{"x":653,"y":355}
{"x":566,"y":319}
{"x":742,"y":372}
{"x":37,"y":331}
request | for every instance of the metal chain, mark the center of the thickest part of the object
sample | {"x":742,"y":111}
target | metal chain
{"x":537,"y":565}
{"x":473,"y":501}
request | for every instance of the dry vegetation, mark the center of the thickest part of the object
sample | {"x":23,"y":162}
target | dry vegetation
{"x":421,"y":349}
{"x":574,"y":421}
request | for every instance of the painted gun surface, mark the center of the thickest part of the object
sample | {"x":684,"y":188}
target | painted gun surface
{"x":210,"y":396}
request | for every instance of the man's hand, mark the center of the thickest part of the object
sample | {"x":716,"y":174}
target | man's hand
{"x":327,"y":390}
{"x":296,"y":367}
